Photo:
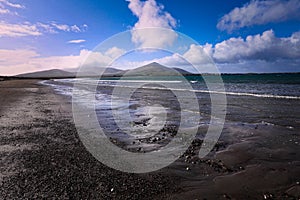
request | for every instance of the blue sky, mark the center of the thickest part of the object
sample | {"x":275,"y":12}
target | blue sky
{"x":239,"y":36}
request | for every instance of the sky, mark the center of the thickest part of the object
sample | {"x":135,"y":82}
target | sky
{"x":257,"y":36}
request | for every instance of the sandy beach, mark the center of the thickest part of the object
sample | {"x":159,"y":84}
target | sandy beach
{"x":257,"y":156}
{"x":41,"y":156}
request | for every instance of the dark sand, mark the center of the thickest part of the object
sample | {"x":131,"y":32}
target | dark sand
{"x":42,"y":157}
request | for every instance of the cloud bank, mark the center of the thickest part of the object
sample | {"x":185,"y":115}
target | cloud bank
{"x":18,"y":61}
{"x":262,"y":52}
{"x":265,"y":46}
{"x":259,"y":12}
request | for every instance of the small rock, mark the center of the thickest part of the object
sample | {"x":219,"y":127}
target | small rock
{"x":226,"y":196}
{"x":187,"y":157}
{"x":268,"y":196}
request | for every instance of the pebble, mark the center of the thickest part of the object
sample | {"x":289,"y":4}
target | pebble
{"x":226,"y":196}
{"x":268,"y":196}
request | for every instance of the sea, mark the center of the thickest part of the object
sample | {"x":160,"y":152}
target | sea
{"x":281,"y":85}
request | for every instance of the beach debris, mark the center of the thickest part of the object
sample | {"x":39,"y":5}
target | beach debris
{"x":112,"y":189}
{"x":187,"y":169}
{"x":294,"y":191}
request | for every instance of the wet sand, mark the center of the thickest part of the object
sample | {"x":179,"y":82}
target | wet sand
{"x":42,"y":157}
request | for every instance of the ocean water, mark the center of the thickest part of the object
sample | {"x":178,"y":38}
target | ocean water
{"x":286,"y":86}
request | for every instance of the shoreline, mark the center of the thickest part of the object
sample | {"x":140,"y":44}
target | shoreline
{"x":43,"y":157}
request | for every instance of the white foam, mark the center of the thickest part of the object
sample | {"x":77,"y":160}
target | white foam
{"x":106,"y":83}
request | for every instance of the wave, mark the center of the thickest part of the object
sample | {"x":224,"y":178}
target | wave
{"x":140,"y":81}
{"x":108,"y":83}
{"x":232,"y":93}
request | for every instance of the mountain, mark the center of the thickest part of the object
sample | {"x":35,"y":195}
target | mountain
{"x":57,"y":73}
{"x":53,"y":73}
{"x":152,"y":69}
{"x":156,"y":69}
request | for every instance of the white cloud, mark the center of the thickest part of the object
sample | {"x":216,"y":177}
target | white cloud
{"x":14,"y":5}
{"x":198,"y":54}
{"x":264,"y":47}
{"x":18,"y":61}
{"x":18,"y":30}
{"x":4,"y":11}
{"x":5,"y":7}
{"x":75,"y":28}
{"x":150,"y":15}
{"x":76,"y":41}
{"x":259,"y":12}
{"x":114,"y":52}
{"x":8,"y":29}
{"x":28,"y":29}
{"x":61,"y":27}
{"x":68,"y":28}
